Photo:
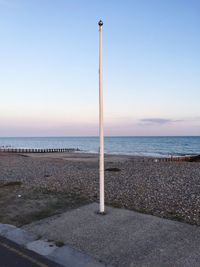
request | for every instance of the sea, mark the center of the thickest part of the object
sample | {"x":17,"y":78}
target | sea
{"x":162,"y":146}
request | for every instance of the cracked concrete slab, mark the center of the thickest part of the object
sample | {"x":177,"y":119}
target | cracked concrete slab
{"x":42,"y":247}
{"x":19,"y":236}
{"x":68,"y":256}
{"x":4,"y":228}
{"x":64,"y":256}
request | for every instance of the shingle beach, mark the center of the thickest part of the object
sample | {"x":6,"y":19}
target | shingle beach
{"x":165,"y":189}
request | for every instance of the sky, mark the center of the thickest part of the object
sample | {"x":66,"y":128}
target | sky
{"x":49,"y":67}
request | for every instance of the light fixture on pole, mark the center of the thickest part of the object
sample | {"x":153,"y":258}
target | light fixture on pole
{"x":101,"y":128}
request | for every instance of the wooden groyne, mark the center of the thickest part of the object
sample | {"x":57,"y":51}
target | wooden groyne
{"x":195,"y":158}
{"x":37,"y":150}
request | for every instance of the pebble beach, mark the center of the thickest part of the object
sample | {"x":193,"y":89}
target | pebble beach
{"x":165,"y":189}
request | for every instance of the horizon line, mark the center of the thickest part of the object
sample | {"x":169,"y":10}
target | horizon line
{"x":96,"y":136}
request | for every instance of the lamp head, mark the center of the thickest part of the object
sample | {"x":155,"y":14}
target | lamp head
{"x":100,"y":23}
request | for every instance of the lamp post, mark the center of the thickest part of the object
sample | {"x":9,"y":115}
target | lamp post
{"x":101,"y":128}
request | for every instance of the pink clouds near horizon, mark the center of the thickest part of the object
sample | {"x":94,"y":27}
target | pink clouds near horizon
{"x":120,"y":127}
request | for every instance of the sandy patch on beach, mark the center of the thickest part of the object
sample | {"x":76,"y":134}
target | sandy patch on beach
{"x":77,"y":156}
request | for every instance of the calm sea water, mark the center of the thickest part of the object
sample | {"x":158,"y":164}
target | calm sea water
{"x":149,"y":146}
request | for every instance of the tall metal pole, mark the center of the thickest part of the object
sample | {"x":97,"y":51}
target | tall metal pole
{"x":101,"y":129}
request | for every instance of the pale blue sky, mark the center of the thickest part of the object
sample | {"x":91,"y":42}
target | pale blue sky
{"x":49,"y":67}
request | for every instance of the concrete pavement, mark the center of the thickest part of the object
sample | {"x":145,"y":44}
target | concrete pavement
{"x":21,"y":248}
{"x":119,"y":238}
{"x":124,"y":237}
{"x":14,"y":255}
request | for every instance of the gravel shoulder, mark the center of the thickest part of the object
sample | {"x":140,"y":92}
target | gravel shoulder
{"x":67,"y":180}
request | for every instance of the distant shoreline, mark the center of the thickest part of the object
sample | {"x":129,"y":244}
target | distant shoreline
{"x":131,"y":146}
{"x":73,"y":153}
{"x":77,"y":150}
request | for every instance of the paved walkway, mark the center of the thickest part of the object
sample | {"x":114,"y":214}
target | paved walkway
{"x":13,"y":255}
{"x":124,"y":237}
{"x":16,"y":254}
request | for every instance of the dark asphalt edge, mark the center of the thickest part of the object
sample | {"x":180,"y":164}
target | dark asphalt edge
{"x":27,"y":254}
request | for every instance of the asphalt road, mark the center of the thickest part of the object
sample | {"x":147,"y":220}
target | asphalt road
{"x":13,"y":255}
